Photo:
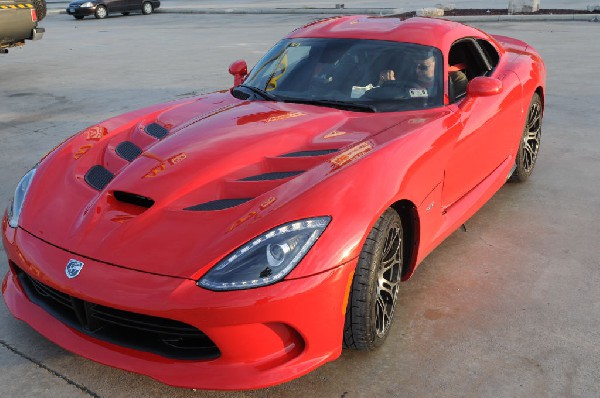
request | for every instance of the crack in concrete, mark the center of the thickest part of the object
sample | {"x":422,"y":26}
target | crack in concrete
{"x":52,"y":371}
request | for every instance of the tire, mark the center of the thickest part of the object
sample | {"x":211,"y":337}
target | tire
{"x":374,"y":291}
{"x":125,"y":13}
{"x":147,"y":8}
{"x":78,"y":16}
{"x":529,"y":146}
{"x":40,"y":8}
{"x":101,"y":12}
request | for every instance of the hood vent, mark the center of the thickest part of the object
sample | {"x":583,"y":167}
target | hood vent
{"x":128,"y":151}
{"x":156,"y":130}
{"x":98,"y":177}
{"x":220,"y":204}
{"x":133,"y":199}
{"x":308,"y":153}
{"x":280,"y":175}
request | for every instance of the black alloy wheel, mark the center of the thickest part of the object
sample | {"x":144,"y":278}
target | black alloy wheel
{"x":375,"y":285}
{"x":529,"y":146}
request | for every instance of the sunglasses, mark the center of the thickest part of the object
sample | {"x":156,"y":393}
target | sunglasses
{"x":422,"y":67}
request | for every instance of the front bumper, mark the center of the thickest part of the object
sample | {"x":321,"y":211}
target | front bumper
{"x":77,"y":11}
{"x":265,"y":336}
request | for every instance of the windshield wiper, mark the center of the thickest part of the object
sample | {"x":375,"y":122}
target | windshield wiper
{"x":260,"y":92}
{"x":350,"y":106}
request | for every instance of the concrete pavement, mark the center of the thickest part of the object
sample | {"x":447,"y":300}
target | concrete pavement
{"x":507,"y":309}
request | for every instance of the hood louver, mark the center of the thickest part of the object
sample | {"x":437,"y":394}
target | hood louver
{"x":280,"y":175}
{"x":220,"y":204}
{"x":128,"y":151}
{"x":98,"y":177}
{"x":156,"y":130}
{"x":309,"y":153}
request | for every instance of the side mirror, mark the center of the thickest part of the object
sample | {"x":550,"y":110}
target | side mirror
{"x":239,"y":70}
{"x":484,"y":87}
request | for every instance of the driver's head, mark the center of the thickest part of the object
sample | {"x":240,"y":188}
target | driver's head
{"x":425,"y":68}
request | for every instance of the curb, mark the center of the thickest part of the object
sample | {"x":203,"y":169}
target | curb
{"x":366,"y":11}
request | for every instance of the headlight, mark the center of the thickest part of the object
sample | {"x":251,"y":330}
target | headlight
{"x":266,"y":259}
{"x":87,"y":4}
{"x":14,"y":209}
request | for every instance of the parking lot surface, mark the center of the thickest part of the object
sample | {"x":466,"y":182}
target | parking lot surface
{"x":509,"y":308}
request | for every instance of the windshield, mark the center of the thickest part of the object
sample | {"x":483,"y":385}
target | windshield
{"x":373,"y":75}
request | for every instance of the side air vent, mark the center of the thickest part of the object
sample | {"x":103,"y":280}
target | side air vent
{"x":98,"y":177}
{"x":220,"y":204}
{"x":156,"y":130}
{"x":308,"y":153}
{"x":133,"y":199}
{"x":128,"y":150}
{"x":272,"y":176}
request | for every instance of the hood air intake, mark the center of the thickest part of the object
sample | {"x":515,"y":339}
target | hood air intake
{"x":220,"y":204}
{"x":133,"y":199}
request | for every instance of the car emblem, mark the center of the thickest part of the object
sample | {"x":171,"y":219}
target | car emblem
{"x":73,"y":268}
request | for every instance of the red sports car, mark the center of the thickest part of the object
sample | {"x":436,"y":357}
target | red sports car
{"x":240,"y":239}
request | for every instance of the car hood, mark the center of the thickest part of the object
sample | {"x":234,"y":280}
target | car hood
{"x":179,"y":206}
{"x":80,"y":2}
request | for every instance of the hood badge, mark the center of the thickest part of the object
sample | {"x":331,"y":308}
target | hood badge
{"x":73,"y":268}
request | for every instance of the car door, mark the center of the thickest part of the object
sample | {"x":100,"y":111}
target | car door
{"x":486,"y":123}
{"x":132,"y":5}
{"x":113,"y":5}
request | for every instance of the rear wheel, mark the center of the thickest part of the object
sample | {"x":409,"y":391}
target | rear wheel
{"x":101,"y":12}
{"x":529,"y":146}
{"x":375,"y":285}
{"x":147,"y":8}
{"x":40,"y":9}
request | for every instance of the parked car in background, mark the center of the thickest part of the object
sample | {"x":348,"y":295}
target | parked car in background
{"x":101,"y":8}
{"x":18,"y":22}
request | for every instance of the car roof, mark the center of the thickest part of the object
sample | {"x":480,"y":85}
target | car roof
{"x":425,"y":31}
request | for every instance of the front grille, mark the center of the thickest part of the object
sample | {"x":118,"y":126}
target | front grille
{"x":162,"y":336}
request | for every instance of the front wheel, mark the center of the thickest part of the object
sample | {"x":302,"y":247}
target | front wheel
{"x":147,"y":8}
{"x":375,"y":285}
{"x":529,"y":146}
{"x":101,"y":12}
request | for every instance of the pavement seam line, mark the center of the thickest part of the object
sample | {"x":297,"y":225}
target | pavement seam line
{"x":52,"y":371}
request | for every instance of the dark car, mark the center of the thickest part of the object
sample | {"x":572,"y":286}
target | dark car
{"x":101,"y":8}
{"x":18,"y":22}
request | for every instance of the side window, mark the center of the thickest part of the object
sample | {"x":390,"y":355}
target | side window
{"x":490,"y":52}
{"x":466,"y":61}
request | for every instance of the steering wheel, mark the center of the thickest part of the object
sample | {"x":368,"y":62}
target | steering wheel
{"x":390,"y":90}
